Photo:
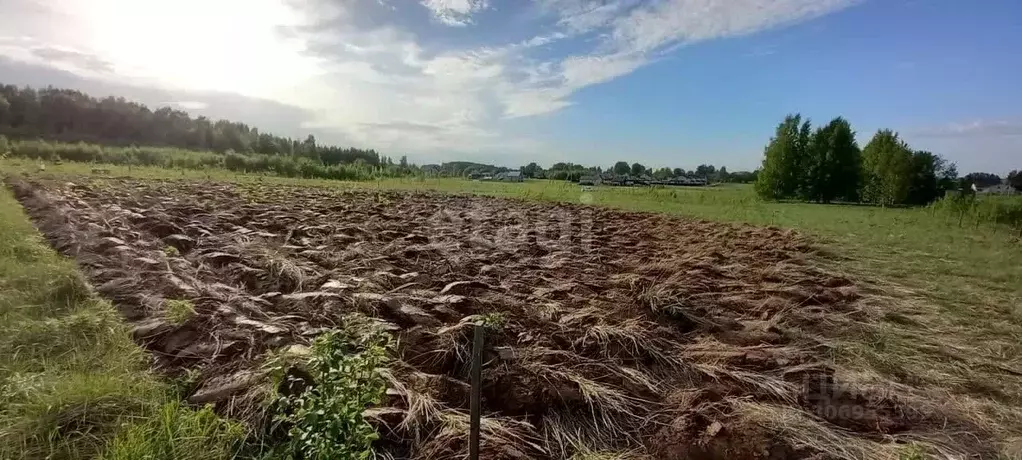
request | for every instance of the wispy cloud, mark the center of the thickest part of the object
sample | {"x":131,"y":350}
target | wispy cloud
{"x":75,"y":58}
{"x":977,"y":128}
{"x":188,"y":105}
{"x":362,"y":70}
{"x":454,"y":12}
{"x":762,"y":51}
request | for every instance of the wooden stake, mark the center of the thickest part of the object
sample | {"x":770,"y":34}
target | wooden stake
{"x":476,"y":395}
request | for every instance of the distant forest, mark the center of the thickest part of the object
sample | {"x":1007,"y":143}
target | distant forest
{"x":70,"y":116}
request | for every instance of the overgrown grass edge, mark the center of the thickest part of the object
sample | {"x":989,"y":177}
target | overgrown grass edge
{"x":73,"y":384}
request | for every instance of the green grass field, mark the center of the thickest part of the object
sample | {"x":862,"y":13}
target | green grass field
{"x":955,"y":326}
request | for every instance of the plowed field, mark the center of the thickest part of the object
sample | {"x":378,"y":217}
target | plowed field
{"x":621,"y":332}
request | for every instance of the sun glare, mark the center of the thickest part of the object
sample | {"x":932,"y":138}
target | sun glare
{"x":224,"y":45}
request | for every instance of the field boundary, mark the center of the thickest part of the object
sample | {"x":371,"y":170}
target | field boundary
{"x":73,"y":384}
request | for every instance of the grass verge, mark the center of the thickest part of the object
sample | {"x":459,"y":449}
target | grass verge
{"x":72,"y":383}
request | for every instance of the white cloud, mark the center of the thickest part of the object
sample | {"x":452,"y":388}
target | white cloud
{"x":454,"y":12}
{"x":372,"y":81}
{"x":977,"y":128}
{"x":580,"y":16}
{"x":672,"y":22}
{"x":582,"y":71}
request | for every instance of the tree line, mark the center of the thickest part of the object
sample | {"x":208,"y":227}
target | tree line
{"x":573,"y":172}
{"x":71,"y":116}
{"x":1013,"y":179}
{"x":826,"y":164}
{"x":177,"y":158}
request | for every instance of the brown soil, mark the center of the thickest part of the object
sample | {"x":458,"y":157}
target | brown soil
{"x":625,"y":332}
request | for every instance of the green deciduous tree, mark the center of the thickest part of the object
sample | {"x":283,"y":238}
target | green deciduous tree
{"x":831,"y":164}
{"x":705,"y":170}
{"x":5,"y":108}
{"x":783,"y":159}
{"x":722,"y":175}
{"x":744,"y":177}
{"x":1015,"y":179}
{"x":621,"y":168}
{"x":845,"y":166}
{"x":887,"y":169}
{"x":947,"y":178}
{"x":932,"y":176}
{"x":530,"y":169}
{"x":638,"y":169}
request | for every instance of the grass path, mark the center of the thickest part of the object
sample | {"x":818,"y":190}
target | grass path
{"x":73,"y":385}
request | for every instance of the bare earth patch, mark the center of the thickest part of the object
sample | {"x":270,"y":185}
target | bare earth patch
{"x":640,"y":334}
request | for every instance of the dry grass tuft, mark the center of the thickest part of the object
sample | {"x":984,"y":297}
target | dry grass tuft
{"x":282,"y":271}
{"x":632,"y":338}
{"x":500,"y":437}
{"x":804,"y":431}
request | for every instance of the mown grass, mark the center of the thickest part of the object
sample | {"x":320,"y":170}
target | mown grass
{"x":72,"y":383}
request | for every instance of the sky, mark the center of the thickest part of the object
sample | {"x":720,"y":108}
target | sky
{"x":673,"y":83}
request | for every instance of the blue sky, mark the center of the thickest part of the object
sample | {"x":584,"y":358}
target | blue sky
{"x":663,"y":82}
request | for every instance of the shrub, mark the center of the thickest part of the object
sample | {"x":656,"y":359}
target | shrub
{"x":967,"y":208}
{"x":325,"y":421}
{"x":165,"y":157}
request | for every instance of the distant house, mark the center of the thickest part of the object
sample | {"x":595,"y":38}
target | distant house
{"x":687,"y":181}
{"x":509,"y":176}
{"x":1000,"y":189}
{"x":609,"y":178}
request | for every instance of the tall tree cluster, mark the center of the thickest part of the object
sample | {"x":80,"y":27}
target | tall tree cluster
{"x":826,"y":165}
{"x":1015,"y":179}
{"x":71,"y":116}
{"x":982,"y":179}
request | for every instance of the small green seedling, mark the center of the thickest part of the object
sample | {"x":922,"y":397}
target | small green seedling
{"x":179,"y":311}
{"x":494,"y":321}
